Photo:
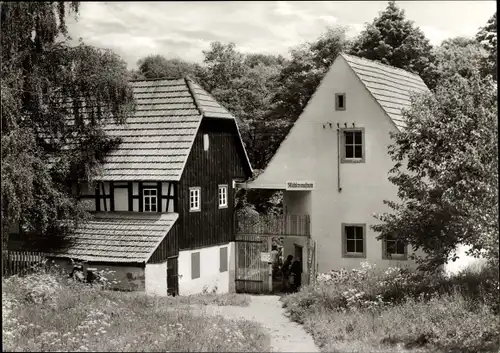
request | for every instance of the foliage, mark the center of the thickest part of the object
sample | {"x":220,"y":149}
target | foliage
{"x":157,"y":66}
{"x":446,"y":171}
{"x":394,"y":40}
{"x":397,"y":310}
{"x":487,"y":37}
{"x":459,"y":55}
{"x":45,"y":312}
{"x":45,"y":80}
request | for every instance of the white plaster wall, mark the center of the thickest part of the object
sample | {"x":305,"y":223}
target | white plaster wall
{"x":156,"y":278}
{"x":121,"y":199}
{"x":310,"y":153}
{"x":464,"y":261}
{"x":210,"y":276}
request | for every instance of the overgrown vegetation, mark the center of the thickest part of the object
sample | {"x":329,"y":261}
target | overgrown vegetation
{"x":371,"y":310}
{"x":48,"y":312}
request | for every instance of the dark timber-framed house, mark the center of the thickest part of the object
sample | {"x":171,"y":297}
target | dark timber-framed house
{"x":163,"y":203}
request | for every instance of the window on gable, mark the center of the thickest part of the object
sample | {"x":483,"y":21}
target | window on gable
{"x":222,"y":196}
{"x":353,"y":240}
{"x":150,"y":200}
{"x":394,"y":249}
{"x":353,"y":149}
{"x":340,"y":101}
{"x":206,"y":142}
{"x":194,"y":199}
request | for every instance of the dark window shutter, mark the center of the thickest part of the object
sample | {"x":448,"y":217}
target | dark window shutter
{"x":195,"y":265}
{"x":223,"y":259}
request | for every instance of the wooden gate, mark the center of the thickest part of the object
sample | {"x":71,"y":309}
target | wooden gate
{"x":252,"y":274}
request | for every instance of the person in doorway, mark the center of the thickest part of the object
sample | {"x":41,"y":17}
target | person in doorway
{"x":296,"y":272}
{"x":286,"y":272}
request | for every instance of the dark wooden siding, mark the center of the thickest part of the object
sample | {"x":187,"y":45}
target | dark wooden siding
{"x":169,"y":247}
{"x":223,"y":162}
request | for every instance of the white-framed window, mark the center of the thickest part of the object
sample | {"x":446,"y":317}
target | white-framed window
{"x":222,"y":196}
{"x":150,"y":198}
{"x":394,"y":249}
{"x":340,"y":101}
{"x":195,"y":199}
{"x":353,"y":240}
{"x":353,"y":145}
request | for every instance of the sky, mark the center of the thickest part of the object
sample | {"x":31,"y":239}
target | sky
{"x":183,"y":29}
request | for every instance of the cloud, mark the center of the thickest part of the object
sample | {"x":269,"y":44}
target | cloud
{"x":183,"y":29}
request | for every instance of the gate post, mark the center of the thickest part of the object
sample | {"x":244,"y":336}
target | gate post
{"x":269,"y":249}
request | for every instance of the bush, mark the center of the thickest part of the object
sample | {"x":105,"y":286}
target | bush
{"x":370,"y":310}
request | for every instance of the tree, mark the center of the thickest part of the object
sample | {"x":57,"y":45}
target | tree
{"x":463,"y":56}
{"x":394,"y":40}
{"x":487,"y":37}
{"x":157,"y":66}
{"x":44,"y":82}
{"x":446,"y":171}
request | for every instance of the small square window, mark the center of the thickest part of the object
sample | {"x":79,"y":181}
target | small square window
{"x":394,"y":249}
{"x":353,"y":240}
{"x":222,"y":196}
{"x":353,"y":149}
{"x":340,"y":101}
{"x":194,"y":199}
{"x":150,"y":200}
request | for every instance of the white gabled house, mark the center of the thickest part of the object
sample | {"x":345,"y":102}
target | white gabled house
{"x":334,"y":163}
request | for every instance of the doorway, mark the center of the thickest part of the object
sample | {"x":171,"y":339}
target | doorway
{"x":297,"y":253}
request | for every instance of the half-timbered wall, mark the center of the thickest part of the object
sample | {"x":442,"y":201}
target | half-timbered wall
{"x":207,"y":169}
{"x":127,"y":196}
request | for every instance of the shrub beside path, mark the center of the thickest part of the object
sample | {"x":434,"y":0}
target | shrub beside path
{"x":286,"y":336}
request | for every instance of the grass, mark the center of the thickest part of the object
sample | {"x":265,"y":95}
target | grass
{"x":365,"y":312}
{"x":44,"y":312}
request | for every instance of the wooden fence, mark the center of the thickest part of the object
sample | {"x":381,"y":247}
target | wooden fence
{"x":20,"y":262}
{"x":279,"y":225}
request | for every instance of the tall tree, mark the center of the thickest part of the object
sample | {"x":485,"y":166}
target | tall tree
{"x":157,"y":66}
{"x":487,"y":37}
{"x":44,"y":82}
{"x":394,"y":40}
{"x":446,"y":171}
{"x":463,"y":56}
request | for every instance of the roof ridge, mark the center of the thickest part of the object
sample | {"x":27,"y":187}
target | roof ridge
{"x":189,"y":83}
{"x":381,"y":64}
{"x":157,"y":79}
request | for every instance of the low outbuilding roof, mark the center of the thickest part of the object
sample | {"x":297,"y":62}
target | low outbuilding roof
{"x":121,"y":237}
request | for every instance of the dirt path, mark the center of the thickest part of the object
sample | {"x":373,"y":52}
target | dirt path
{"x":286,"y":336}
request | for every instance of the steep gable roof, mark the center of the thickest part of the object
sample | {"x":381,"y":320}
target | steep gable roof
{"x":157,"y":140}
{"x":390,"y":86}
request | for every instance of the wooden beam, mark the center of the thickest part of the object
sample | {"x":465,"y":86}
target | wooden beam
{"x":158,"y":198}
{"x":130,"y":195}
{"x":168,"y":195}
{"x":141,"y":200}
{"x":97,"y":198}
{"x":111,"y":196}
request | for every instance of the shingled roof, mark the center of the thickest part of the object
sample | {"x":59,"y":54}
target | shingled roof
{"x":391,"y":87}
{"x":157,"y":140}
{"x":118,"y":237}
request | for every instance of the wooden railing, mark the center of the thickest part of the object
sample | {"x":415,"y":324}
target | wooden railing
{"x":20,"y":262}
{"x":279,"y":225}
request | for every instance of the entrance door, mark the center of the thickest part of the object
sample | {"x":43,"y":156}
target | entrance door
{"x":297,"y":253}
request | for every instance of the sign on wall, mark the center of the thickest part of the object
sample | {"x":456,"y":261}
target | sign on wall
{"x":300,"y":185}
{"x":265,"y":256}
